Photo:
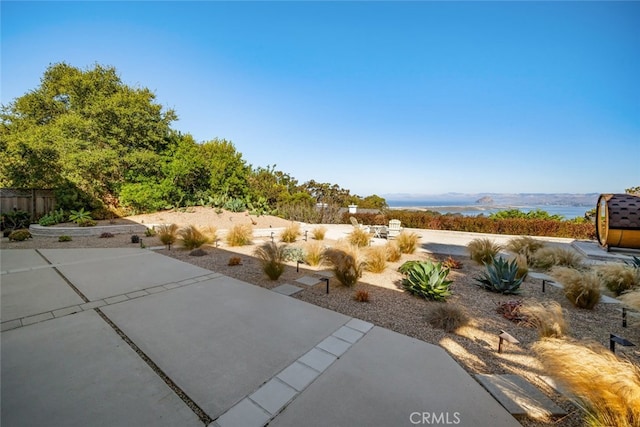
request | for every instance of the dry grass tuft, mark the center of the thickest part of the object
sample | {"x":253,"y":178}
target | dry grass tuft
{"x":347,"y":264}
{"x":631,"y":299}
{"x":607,"y":386}
{"x":407,"y":242}
{"x":314,"y":253}
{"x":448,"y":317}
{"x":318,"y":233}
{"x":582,"y":288}
{"x":192,"y":238}
{"x":523,"y":268}
{"x":167,"y":233}
{"x":376,"y":257}
{"x":619,"y":278}
{"x":552,"y":256}
{"x":524,"y":245}
{"x":361,"y":296}
{"x":547,"y":319}
{"x":291,"y":233}
{"x":239,"y":235}
{"x":271,"y":256}
{"x":234,"y":260}
{"x":393,"y":252}
{"x":359,"y":237}
{"x":483,"y":251}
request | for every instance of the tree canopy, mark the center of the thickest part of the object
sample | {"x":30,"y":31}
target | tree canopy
{"x":109,"y":147}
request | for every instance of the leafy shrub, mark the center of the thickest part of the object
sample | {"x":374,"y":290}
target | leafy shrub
{"x":15,"y":220}
{"x":52,"y":218}
{"x":19,"y":235}
{"x":168,"y":234}
{"x":448,"y":317}
{"x":547,"y":319}
{"x":135,"y":239}
{"x":619,"y":278}
{"x":107,"y":235}
{"x":451,"y":263}
{"x":235,"y":260}
{"x":271,"y":256}
{"x":393,"y":252}
{"x":290,"y":233}
{"x":347,"y":264}
{"x":500,"y":276}
{"x":359,"y":237}
{"x":80,"y":217}
{"x":361,"y":296}
{"x":512,"y":311}
{"x":314,"y":253}
{"x":192,"y":238}
{"x":483,"y":251}
{"x":293,"y":254}
{"x":407,"y":242}
{"x":64,"y":239}
{"x":235,"y":205}
{"x":606,"y":385}
{"x":427,"y":280}
{"x":318,"y":233}
{"x":239,"y":235}
{"x":376,"y":259}
{"x":518,"y":214}
{"x":150,"y":232}
{"x":582,"y":288}
{"x":551,"y":256}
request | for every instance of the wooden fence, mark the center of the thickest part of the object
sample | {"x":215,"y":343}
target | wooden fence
{"x":36,"y":202}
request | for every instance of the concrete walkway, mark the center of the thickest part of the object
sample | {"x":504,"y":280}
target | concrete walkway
{"x":129,"y":337}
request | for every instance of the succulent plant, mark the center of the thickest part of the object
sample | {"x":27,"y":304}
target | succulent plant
{"x":135,"y":239}
{"x":20,"y":235}
{"x":427,"y":280}
{"x":501,"y":277}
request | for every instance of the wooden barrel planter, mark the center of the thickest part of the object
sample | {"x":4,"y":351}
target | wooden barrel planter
{"x":618,"y":221}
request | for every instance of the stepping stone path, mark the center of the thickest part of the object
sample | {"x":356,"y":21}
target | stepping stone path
{"x":286,"y":289}
{"x":308,"y":280}
{"x":518,"y":396}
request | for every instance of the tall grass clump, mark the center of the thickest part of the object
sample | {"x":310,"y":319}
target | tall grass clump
{"x":359,"y":237}
{"x":393,"y":252}
{"x":239,"y":235}
{"x":483,"y":251}
{"x":271,"y":256}
{"x":619,"y":278}
{"x":167,"y":233}
{"x":551,"y":256}
{"x":523,"y":267}
{"x":631,"y":299}
{"x":582,"y":288}
{"x":547,"y":319}
{"x":447,"y":317}
{"x":314,"y":253}
{"x":319,"y":232}
{"x":524,"y":245}
{"x":192,"y":238}
{"x":407,"y":242}
{"x":376,"y":257}
{"x":607,"y":386}
{"x":347,"y":264}
{"x":290,"y":233}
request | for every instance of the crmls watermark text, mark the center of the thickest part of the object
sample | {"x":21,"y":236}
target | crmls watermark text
{"x":435,"y":418}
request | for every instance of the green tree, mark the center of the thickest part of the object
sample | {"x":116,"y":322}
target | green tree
{"x":228,"y":172}
{"x":633,"y":190}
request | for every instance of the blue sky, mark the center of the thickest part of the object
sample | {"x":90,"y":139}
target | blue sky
{"x":378,"y":97}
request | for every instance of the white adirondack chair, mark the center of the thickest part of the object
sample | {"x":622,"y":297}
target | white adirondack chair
{"x":394,"y":229}
{"x":355,"y":224}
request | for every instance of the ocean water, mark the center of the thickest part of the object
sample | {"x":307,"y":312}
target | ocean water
{"x":467,"y":208}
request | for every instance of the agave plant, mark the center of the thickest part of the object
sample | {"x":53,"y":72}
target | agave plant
{"x":501,"y":276}
{"x":427,"y":280}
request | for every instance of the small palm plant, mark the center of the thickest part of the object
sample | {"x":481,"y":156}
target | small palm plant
{"x":428,"y":280}
{"x":501,"y":276}
{"x":272,"y":257}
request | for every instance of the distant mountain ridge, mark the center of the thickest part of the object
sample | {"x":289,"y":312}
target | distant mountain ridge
{"x":512,"y":199}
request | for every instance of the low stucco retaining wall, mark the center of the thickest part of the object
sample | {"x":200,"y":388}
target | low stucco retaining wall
{"x":39,"y":230}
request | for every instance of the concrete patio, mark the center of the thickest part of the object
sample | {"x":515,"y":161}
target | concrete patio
{"x":129,"y":337}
